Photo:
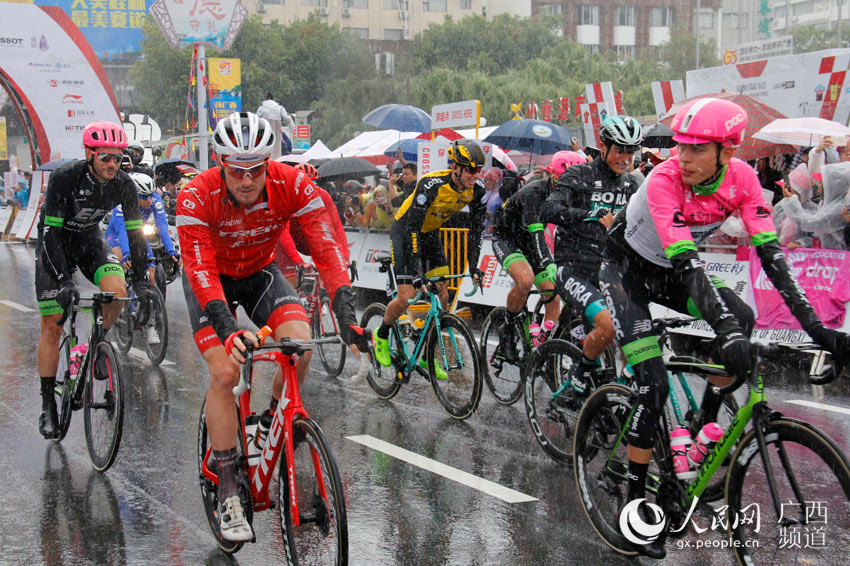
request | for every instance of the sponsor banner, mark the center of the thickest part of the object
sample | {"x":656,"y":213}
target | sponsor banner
{"x":602,"y":94}
{"x":364,"y":249}
{"x":112,"y":28}
{"x":10,"y":181}
{"x":432,"y":156}
{"x":26,"y":229}
{"x":757,"y":50}
{"x":455,"y":114}
{"x":214,"y":22}
{"x":592,"y":115}
{"x":53,"y":69}
{"x":808,"y":84}
{"x":225,"y":85}
{"x":665,"y":94}
{"x":823,"y":274}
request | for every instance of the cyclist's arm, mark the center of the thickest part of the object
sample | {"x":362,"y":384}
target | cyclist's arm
{"x":116,"y":227}
{"x":288,"y":245}
{"x":137,"y":243}
{"x":477,"y":214}
{"x":200,"y":266}
{"x":757,"y":218}
{"x":531,"y":219}
{"x":423,"y":195}
{"x":53,"y":209}
{"x":665,"y":197}
{"x":558,"y":208}
{"x":161,"y":220}
{"x":339,"y":230}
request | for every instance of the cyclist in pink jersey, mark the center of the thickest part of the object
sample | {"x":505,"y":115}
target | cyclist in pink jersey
{"x":651,"y":256}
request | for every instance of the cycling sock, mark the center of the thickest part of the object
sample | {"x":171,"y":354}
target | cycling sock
{"x":710,"y":405}
{"x":637,"y":480}
{"x":226,"y":470}
{"x":383,"y":331}
{"x":47,"y":385}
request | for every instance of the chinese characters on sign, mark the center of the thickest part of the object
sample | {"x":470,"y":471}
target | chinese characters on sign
{"x":184,"y":22}
{"x":108,"y":13}
{"x":759,"y":50}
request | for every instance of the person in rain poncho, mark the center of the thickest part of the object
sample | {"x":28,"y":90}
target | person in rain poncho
{"x":800,"y":191}
{"x":826,"y":222}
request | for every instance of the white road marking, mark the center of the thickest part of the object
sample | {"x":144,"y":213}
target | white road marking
{"x":459,"y":476}
{"x":17,"y":306}
{"x":823,"y":406}
{"x":136,"y":353}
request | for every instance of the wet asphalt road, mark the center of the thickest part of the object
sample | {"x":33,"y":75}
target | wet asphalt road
{"x":147,"y":508}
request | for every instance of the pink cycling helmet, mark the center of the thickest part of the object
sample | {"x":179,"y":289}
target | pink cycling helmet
{"x":563,"y":160}
{"x":707,"y":120}
{"x":104,"y":134}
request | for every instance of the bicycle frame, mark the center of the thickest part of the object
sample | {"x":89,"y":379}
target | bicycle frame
{"x":314,"y":299}
{"x":76,"y":392}
{"x":279,"y":436}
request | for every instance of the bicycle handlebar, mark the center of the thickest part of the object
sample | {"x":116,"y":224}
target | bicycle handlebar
{"x":441,"y":278}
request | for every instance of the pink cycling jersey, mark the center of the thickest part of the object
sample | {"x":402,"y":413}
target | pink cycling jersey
{"x":665,"y":217}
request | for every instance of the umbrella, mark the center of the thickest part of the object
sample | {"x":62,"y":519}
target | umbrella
{"x":53,"y":165}
{"x":801,"y":131}
{"x":658,"y":135}
{"x":759,"y":115}
{"x":409,"y":149}
{"x":346,"y":167}
{"x":401,"y":117}
{"x":534,"y":136}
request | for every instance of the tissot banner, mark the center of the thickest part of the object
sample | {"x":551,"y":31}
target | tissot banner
{"x":48,"y":62}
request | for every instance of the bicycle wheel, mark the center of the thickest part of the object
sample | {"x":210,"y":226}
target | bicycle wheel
{"x":325,"y":326}
{"x":103,"y":406}
{"x":209,"y":490}
{"x":384,"y":383}
{"x":458,"y":383}
{"x":812,"y":479}
{"x":158,"y":324}
{"x":62,"y":390}
{"x":600,"y":462}
{"x":321,"y":537}
{"x":502,"y":376}
{"x":552,"y":419}
{"x":123,"y":328}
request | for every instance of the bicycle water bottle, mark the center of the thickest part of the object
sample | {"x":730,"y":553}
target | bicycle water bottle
{"x":704,"y":442}
{"x":680,"y":442}
{"x":534,"y":333}
{"x":545,"y":331}
{"x":76,"y":359}
{"x":263,"y":429}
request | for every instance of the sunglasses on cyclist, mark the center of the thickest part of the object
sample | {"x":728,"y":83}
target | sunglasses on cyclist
{"x":241,"y":172}
{"x":104,"y":157}
{"x":474,"y":170}
{"x":627,"y":148}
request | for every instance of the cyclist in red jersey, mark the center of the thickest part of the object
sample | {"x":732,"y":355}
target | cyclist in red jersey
{"x":229,"y":219}
{"x":651,"y":256}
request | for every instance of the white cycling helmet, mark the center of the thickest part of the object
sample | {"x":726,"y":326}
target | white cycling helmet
{"x":243,"y":133}
{"x":144,"y":184}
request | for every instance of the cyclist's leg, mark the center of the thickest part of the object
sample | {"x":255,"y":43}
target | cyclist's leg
{"x":628,"y":303}
{"x":102,"y":267}
{"x":279,"y":307}
{"x":47,"y":355}
{"x":510,"y":257}
{"x":580,"y":288}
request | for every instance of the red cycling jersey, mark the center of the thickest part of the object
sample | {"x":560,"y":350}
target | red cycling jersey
{"x":293,"y":239}
{"x":219,"y":237}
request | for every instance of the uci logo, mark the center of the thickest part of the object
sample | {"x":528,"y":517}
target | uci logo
{"x":734,"y":121}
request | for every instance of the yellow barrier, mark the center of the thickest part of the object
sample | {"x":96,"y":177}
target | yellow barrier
{"x":455,"y":243}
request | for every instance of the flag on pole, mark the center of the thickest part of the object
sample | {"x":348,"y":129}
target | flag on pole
{"x":666,"y":94}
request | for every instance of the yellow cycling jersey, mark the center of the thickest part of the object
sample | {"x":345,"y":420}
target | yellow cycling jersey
{"x":435,"y":200}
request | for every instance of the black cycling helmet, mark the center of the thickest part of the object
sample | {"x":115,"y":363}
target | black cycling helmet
{"x":621,"y":130}
{"x":467,"y":152}
{"x":136,"y":152}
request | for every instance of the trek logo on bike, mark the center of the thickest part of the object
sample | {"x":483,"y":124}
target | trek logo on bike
{"x":635,"y":528}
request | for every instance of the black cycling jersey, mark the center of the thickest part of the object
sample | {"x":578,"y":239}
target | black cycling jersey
{"x":582,"y":195}
{"x":434,"y":201}
{"x":74,"y":204}
{"x":519,"y":218}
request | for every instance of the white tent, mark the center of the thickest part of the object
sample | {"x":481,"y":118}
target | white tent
{"x":316,"y":151}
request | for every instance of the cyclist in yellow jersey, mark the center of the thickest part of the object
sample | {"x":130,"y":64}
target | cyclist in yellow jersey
{"x":417,"y":252}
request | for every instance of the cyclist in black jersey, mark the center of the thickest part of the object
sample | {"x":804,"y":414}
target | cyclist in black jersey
{"x":519,"y":243}
{"x":77,"y":198}
{"x":417,"y":252}
{"x":582,"y":205}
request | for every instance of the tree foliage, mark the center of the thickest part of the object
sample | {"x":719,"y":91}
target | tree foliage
{"x":812,"y":38}
{"x":311,"y":65}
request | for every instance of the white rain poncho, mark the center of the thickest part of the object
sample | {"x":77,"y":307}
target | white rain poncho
{"x":786,"y":228}
{"x":826,"y":221}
